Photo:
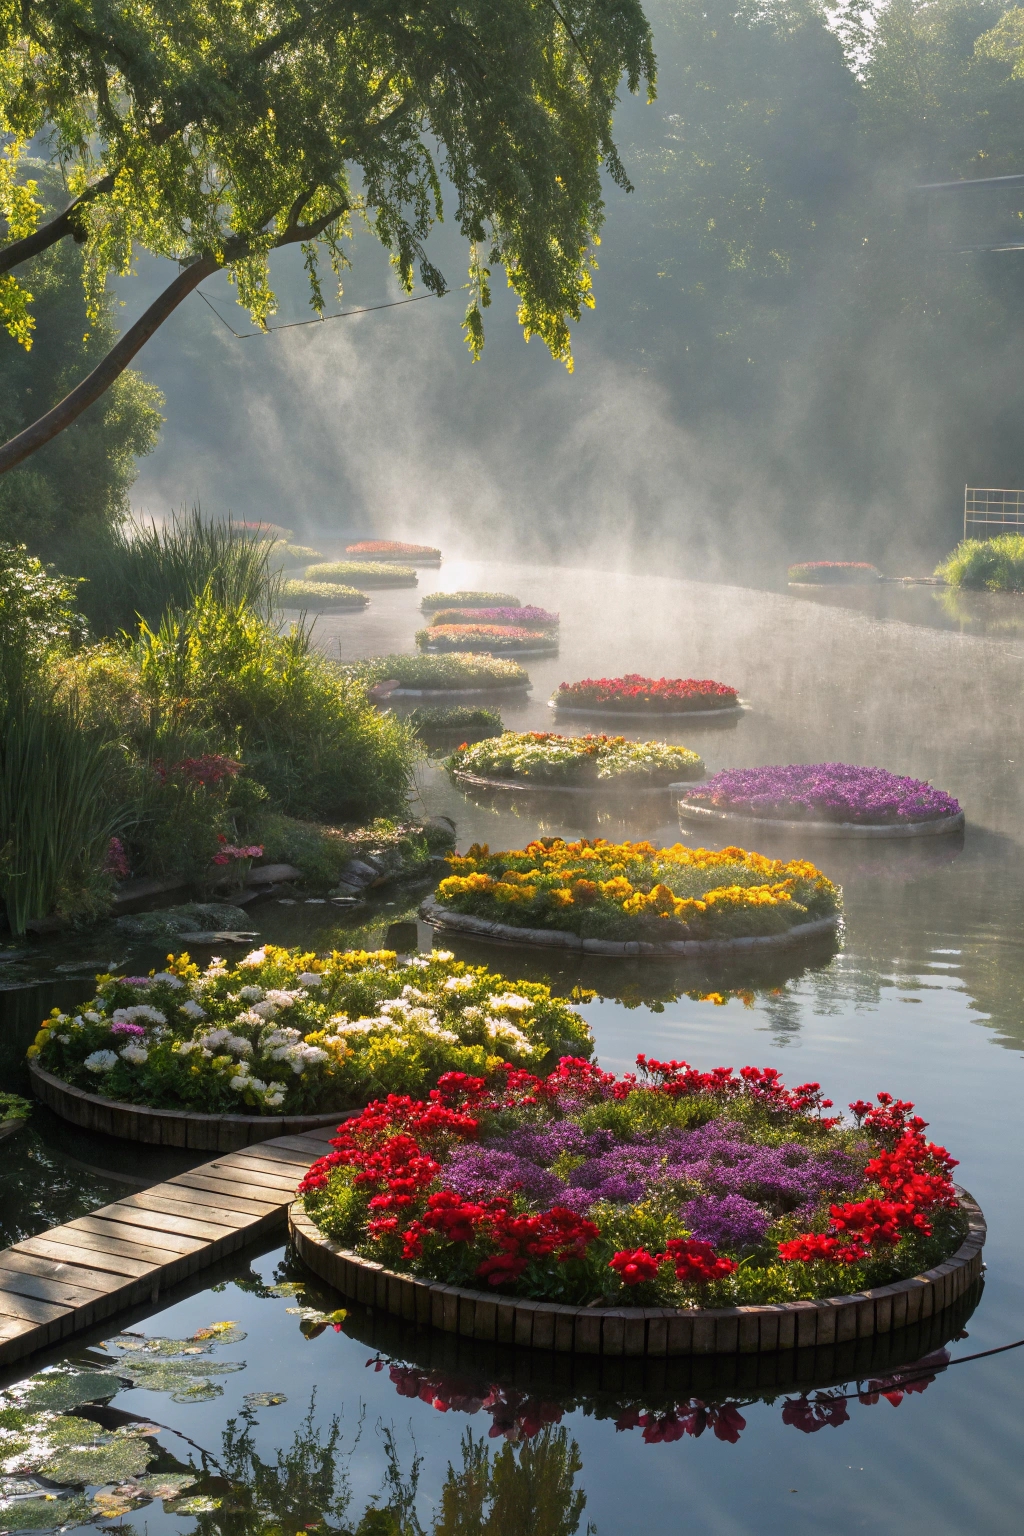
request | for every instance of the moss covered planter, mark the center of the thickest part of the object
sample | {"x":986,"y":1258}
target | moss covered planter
{"x":381,"y":692}
{"x":462,"y":923}
{"x":169,"y":1127}
{"x":606,"y":711}
{"x":705,"y":815}
{"x":645,"y":1331}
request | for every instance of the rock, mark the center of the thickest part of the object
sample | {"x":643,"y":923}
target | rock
{"x":356,"y":872}
{"x":53,"y":924}
{"x":193,"y":917}
{"x":273,"y":874}
{"x":131,"y":891}
{"x":224,"y":937}
{"x":439,"y":829}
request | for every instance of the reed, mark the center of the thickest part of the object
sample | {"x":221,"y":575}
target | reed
{"x":993,"y":565}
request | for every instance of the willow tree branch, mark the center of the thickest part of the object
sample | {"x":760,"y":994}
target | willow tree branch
{"x":48,"y":234}
{"x":134,"y":339}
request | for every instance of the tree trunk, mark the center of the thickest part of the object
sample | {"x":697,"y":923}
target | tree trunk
{"x":104,"y":374}
{"x":41,"y":239}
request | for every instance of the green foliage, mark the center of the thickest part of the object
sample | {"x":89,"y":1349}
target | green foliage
{"x":144,"y":572}
{"x":305,"y":728}
{"x":37,"y":617}
{"x":14,"y":1107}
{"x":436,"y":600}
{"x":527,"y":1487}
{"x":321,"y":596}
{"x":445,"y":672}
{"x":77,"y":486}
{"x":577,"y":761}
{"x":367,"y":573}
{"x":993,"y":564}
{"x":56,"y":817}
{"x":230,"y":131}
{"x":460,"y":717}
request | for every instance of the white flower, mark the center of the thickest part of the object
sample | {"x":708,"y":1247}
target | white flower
{"x":100,"y":1061}
{"x":193,"y":1010}
{"x":299,"y":1056}
{"x":216,"y":967}
{"x":93,"y":1017}
{"x":265,"y":1010}
{"x":280,"y":1037}
{"x":459,"y":983}
{"x":239,"y":1082}
{"x":281,"y":998}
{"x":272,"y":1100}
{"x":139,"y":1011}
{"x":442,"y":955}
{"x":434,"y":1029}
{"x":187,"y":1047}
{"x":251,"y":994}
{"x":250,"y":1017}
{"x":500,"y":1029}
{"x":234,"y":1045}
{"x":258,"y":1085}
{"x":417,"y":962}
{"x":135,"y":1053}
{"x":310,"y":979}
{"x":510,"y":1000}
{"x":64,"y":1039}
{"x":413,"y":995}
{"x":394,"y":1005}
{"x":472,"y":1013}
{"x":169,"y":979}
{"x":254,"y":957}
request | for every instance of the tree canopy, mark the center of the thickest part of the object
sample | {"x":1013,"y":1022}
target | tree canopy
{"x":212,"y":132}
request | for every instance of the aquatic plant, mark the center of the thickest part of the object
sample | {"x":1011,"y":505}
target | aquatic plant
{"x":468,"y":600}
{"x":632,"y":691}
{"x":142,"y":572}
{"x":582,"y":1187}
{"x":636,"y":891}
{"x":833,"y":572}
{"x":444,"y":672}
{"x":281,"y":1032}
{"x":460,"y":717}
{"x":363,"y":573}
{"x":541,"y":757}
{"x":824,"y":792}
{"x":319,"y":595}
{"x":523,"y":618}
{"x":994,"y":565}
{"x":483,"y":637}
{"x":14,"y":1107}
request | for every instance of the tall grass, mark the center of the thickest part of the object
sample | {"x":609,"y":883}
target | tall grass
{"x":143,"y":573}
{"x":55,"y":816}
{"x":995,"y":565}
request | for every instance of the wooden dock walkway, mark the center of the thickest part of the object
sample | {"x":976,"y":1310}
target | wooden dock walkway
{"x":72,"y":1277}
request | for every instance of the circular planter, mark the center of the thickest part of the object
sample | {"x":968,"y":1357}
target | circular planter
{"x":651,"y":1331}
{"x":170,"y":1127}
{"x":501,"y":651}
{"x":423,"y":560}
{"x":732,"y":712}
{"x":623,"y":949}
{"x":937,"y":827}
{"x":380,"y":696}
{"x":11,"y":1127}
{"x":608,"y":787}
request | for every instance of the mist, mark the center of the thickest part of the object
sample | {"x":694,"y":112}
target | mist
{"x":806,"y":381}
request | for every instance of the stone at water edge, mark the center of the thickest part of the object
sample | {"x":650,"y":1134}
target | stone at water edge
{"x":273,"y":874}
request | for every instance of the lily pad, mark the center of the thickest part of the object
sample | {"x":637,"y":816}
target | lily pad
{"x":62,"y":1390}
{"x":184,"y":1379}
{"x":114,"y":1460}
{"x":46,"y":1513}
{"x":193,"y":1504}
{"x":220,"y":1333}
{"x":166,"y":1485}
{"x":264,"y":1399}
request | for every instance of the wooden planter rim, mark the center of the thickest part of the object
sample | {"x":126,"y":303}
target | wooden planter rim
{"x":558,"y":938}
{"x":609,"y":787}
{"x":649,"y":1331}
{"x":939,"y":826}
{"x":727,"y":712}
{"x":170,"y":1127}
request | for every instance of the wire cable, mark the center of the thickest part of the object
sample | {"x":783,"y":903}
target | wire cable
{"x":292,"y":325}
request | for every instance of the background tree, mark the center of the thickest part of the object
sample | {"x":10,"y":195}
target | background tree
{"x":214,"y":134}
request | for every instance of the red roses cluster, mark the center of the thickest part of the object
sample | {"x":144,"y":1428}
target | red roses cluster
{"x":914,"y":1175}
{"x":695,"y":1263}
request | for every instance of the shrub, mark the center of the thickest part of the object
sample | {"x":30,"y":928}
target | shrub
{"x":488,"y":637}
{"x":469,"y":600}
{"x":445,"y":672}
{"x":283,"y":1032}
{"x":540,"y":757}
{"x":634,"y":891}
{"x":996,"y":565}
{"x":461,"y":717}
{"x":38,"y":620}
{"x":305,"y":729}
{"x":319,"y":595}
{"x":367,"y":573}
{"x":142,"y":573}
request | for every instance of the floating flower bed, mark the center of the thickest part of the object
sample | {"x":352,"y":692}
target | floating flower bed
{"x":671,"y":1187}
{"x":821,"y":573}
{"x":484,"y":637}
{"x":476,"y":722}
{"x":825,"y":793}
{"x":635,"y":694}
{"x":367,"y":573}
{"x":283,"y":1033}
{"x":320,"y":595}
{"x":522,"y":618}
{"x":543,"y":759}
{"x":634,"y":891}
{"x":392,"y":549}
{"x":452,"y":673}
{"x":435,"y":600}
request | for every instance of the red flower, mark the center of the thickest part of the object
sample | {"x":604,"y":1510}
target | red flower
{"x":696,"y":1263}
{"x":634,"y":1267}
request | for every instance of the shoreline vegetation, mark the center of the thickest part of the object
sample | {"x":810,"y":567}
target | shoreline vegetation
{"x":156,"y":722}
{"x":986,"y":565}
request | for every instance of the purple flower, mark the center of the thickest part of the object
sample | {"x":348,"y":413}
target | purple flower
{"x":135,"y":981}
{"x":824,"y":792}
{"x":122,"y":1027}
{"x":730,"y":1222}
{"x":477,"y":1173}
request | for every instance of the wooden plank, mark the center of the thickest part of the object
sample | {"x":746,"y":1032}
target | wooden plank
{"x":164,"y":1246}
{"x":34,"y":1264}
{"x":15,"y":1282}
{"x":185,"y":1215}
{"x":28,"y":1306}
{"x":64,"y":1243}
{"x":264,"y":1177}
{"x":218,"y":1192}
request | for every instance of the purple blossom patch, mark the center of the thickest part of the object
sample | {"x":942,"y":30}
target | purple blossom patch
{"x":824,"y":792}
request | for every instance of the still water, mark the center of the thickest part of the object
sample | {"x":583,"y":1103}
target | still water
{"x":925,"y":998}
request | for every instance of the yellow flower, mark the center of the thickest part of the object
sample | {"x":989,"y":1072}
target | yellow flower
{"x":33,"y":1050}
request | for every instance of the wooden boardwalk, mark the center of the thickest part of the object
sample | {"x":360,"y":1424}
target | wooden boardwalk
{"x":72,"y":1277}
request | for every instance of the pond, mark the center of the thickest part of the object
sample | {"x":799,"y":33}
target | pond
{"x":925,"y":998}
